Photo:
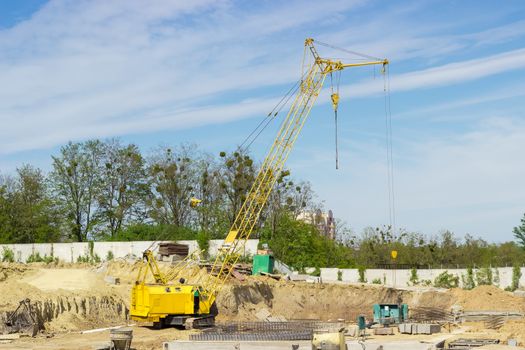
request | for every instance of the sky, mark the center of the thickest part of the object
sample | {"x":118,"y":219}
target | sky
{"x":206,"y":72}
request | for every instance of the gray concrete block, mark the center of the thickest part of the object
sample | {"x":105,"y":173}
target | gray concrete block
{"x":405,"y":328}
{"x":384,"y":331}
{"x":428,"y":328}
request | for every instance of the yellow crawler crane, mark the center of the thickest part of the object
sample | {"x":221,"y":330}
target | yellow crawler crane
{"x":167,"y":302}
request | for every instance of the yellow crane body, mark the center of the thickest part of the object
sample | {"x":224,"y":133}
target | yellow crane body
{"x":174,"y":303}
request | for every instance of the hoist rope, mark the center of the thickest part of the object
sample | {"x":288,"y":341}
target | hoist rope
{"x":263,"y":124}
{"x":389,"y":151}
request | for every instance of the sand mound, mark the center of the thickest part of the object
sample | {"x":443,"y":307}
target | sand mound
{"x":67,"y":279}
{"x":487,"y":298}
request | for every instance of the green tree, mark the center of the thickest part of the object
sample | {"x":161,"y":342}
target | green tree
{"x":124,"y":188}
{"x":76,"y":183}
{"x":173,"y":178}
{"x":33,"y":217}
{"x":237,"y":174}
{"x":519,"y":232}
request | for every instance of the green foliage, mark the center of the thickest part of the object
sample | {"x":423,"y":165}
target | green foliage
{"x":516,"y":275}
{"x":361,"y":270}
{"x":89,"y":259}
{"x":203,"y":240}
{"x":468,"y":280}
{"x":109,"y":256}
{"x":339,"y":275}
{"x":426,"y":283}
{"x":414,"y":278}
{"x":519,"y":233}
{"x":299,"y":245}
{"x":316,"y":272}
{"x":484,"y":276}
{"x":36,"y":257}
{"x":148,"y":232}
{"x":376,"y":281}
{"x":446,"y":280}
{"x":8,"y":255}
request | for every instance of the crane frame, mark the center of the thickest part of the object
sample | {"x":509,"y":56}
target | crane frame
{"x":178,"y":303}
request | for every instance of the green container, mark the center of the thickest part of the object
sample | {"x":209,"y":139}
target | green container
{"x":262,"y":263}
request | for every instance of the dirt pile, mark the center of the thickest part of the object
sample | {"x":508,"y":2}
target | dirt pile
{"x":63,"y":299}
{"x":487,"y":298}
{"x":317,"y":301}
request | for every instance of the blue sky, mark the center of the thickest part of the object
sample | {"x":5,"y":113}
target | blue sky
{"x":205,"y":72}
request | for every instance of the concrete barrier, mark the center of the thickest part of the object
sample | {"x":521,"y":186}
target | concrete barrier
{"x":70,"y":252}
{"x":401,"y":278}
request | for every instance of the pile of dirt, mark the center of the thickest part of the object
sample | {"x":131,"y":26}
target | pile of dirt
{"x":487,"y":298}
{"x":316,"y":301}
{"x":64,"y":299}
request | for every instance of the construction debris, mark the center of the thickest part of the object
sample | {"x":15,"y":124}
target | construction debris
{"x":464,"y":343}
{"x":22,"y":320}
{"x":167,"y":249}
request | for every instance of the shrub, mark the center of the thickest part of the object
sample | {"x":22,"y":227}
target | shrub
{"x":516,"y":275}
{"x":426,"y":283}
{"x":484,"y":276}
{"x":8,"y":255}
{"x":414,"y":278}
{"x":376,"y":281}
{"x":203,"y":240}
{"x":339,"y":275}
{"x":36,"y":257}
{"x":446,"y":280}
{"x":361,"y":270}
{"x":109,"y":256}
{"x":468,"y":280}
{"x":316,"y":272}
{"x":496,"y":279}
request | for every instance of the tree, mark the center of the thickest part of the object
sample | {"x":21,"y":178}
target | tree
{"x":76,"y":183}
{"x":124,"y":188}
{"x":519,"y":232}
{"x":172,"y":178}
{"x":34,"y":217}
{"x":237,"y":174}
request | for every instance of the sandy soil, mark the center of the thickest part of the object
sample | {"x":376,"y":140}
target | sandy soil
{"x":68,"y":279}
{"x":71,"y":298}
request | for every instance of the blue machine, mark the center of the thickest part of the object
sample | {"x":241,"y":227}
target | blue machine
{"x":386,"y":314}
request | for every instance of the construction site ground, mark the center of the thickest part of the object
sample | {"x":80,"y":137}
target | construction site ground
{"x":72,"y":298}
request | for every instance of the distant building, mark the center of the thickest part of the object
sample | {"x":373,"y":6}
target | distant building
{"x":325,"y":222}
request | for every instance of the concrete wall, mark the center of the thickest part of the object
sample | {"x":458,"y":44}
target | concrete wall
{"x":401,"y":278}
{"x":71,"y":251}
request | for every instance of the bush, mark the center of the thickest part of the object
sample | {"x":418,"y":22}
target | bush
{"x":89,"y":259}
{"x":484,"y":276}
{"x":446,"y":280}
{"x":426,"y":283}
{"x":316,"y":272}
{"x":35,"y":257}
{"x":109,"y":256}
{"x":8,"y":255}
{"x":203,"y":240}
{"x":361,"y":270}
{"x":496,"y":278}
{"x":414,"y":278}
{"x":468,"y":280}
{"x":516,"y":275}
{"x":376,"y":281}
{"x":339,"y":275}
